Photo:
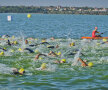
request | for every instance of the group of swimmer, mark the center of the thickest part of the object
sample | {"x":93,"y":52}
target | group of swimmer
{"x":21,"y":71}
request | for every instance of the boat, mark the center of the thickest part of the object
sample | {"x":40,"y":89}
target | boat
{"x":94,"y":37}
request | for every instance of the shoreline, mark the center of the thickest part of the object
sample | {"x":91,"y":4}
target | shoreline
{"x":57,"y":14}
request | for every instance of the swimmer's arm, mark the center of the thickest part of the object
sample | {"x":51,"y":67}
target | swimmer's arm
{"x":97,"y":32}
{"x":83,"y":63}
{"x":37,"y":56}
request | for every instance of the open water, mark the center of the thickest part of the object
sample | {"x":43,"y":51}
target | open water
{"x":65,"y":29}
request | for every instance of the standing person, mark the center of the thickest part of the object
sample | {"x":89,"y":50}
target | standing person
{"x":94,"y":33}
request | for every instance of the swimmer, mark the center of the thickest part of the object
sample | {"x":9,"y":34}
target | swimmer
{"x":20,"y":71}
{"x":4,"y":49}
{"x":26,"y":41}
{"x":83,"y":63}
{"x":52,"y":46}
{"x":5,"y":36}
{"x":32,"y":45}
{"x":51,"y":53}
{"x":8,"y":42}
{"x":37,"y":56}
{"x":44,"y":43}
{"x":104,"y":41}
{"x":52,"y":38}
{"x":31,"y":51}
{"x":61,"y":61}
{"x":43,"y":67}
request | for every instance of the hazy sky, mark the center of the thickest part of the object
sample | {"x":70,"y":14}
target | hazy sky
{"x":79,"y":3}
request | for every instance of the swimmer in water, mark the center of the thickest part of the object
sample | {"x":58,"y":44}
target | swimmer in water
{"x":51,"y":53}
{"x":30,"y":50}
{"x":26,"y":41}
{"x":84,"y":64}
{"x":61,"y":61}
{"x":20,"y":71}
{"x":43,"y":67}
{"x":38,"y":55}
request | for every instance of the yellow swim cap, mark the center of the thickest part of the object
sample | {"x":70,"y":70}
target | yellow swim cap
{"x":21,"y":70}
{"x":36,"y":51}
{"x":48,"y":46}
{"x":30,"y":42}
{"x":64,"y":60}
{"x":59,"y":53}
{"x":20,"y":50}
{"x":4,"y":48}
{"x":43,"y":41}
{"x":2,"y":53}
{"x":12,"y":50}
{"x":40,"y":58}
{"x":72,"y":44}
{"x":15,"y":42}
{"x":104,"y":40}
{"x":43,"y":66}
{"x":90,"y":64}
{"x":13,"y":37}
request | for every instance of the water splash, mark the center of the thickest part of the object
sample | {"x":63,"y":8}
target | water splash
{"x":75,"y":60}
{"x":23,"y":45}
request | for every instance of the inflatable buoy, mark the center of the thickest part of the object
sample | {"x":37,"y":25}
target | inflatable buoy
{"x":29,"y":15}
{"x":9,"y":18}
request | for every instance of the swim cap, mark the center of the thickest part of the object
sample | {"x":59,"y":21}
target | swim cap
{"x":4,"y":48}
{"x":96,"y":28}
{"x":59,"y":53}
{"x":19,"y":49}
{"x":43,"y":41}
{"x":21,"y":70}
{"x":72,"y":44}
{"x":13,"y":37}
{"x":40,"y":58}
{"x":64,"y":60}
{"x":36,"y":51}
{"x":2,"y":53}
{"x":15,"y":42}
{"x":11,"y":50}
{"x":43,"y":66}
{"x":48,"y":46}
{"x":90,"y":64}
{"x":104,"y":40}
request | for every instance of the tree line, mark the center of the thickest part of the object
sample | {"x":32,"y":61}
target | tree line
{"x":53,"y":10}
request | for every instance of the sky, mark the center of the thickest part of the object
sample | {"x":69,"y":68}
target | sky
{"x":71,"y":3}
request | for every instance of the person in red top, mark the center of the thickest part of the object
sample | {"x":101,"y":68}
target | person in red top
{"x":94,"y":33}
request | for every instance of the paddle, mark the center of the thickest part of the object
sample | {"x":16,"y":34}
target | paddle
{"x":102,"y":33}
